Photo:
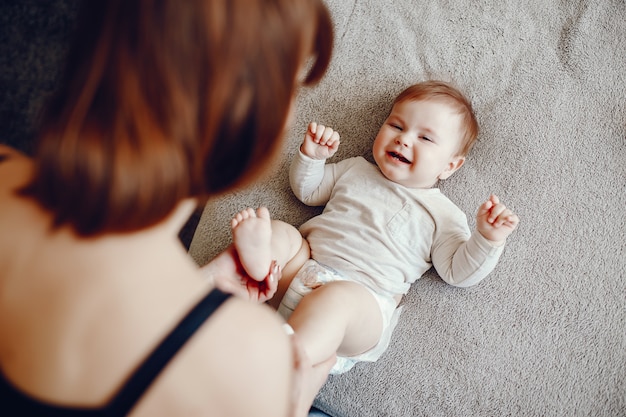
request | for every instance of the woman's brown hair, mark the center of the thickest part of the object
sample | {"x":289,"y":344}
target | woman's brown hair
{"x":167,"y":99}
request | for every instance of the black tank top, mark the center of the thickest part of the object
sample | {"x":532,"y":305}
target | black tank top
{"x":16,"y":403}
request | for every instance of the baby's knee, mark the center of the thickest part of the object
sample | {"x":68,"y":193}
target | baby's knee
{"x":280,"y":227}
{"x":287,"y":233}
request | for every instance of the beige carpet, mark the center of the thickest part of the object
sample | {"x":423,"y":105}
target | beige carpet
{"x":545,"y":334}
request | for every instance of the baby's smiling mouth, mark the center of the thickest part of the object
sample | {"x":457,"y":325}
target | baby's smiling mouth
{"x":399,"y":157}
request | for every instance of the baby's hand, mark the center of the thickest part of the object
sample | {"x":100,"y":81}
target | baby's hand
{"x":494,"y":221}
{"x":320,"y":142}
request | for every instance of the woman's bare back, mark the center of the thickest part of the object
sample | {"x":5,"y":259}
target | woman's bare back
{"x":78,"y":315}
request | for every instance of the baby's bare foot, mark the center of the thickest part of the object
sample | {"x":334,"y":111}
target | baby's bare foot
{"x":252,"y":236}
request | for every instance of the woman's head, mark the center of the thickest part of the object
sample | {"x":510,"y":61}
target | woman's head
{"x":163,"y":100}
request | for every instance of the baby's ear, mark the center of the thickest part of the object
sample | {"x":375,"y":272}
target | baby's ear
{"x":454,"y":164}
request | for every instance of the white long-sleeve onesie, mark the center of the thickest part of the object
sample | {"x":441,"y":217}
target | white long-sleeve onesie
{"x":383,"y":234}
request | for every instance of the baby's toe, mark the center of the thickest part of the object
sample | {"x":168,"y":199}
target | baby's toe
{"x":263,"y":213}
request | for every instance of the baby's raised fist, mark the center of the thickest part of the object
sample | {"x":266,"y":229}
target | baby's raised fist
{"x":320,"y":142}
{"x":495,"y":221}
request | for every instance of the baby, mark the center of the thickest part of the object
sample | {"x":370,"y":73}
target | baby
{"x":382,"y":228}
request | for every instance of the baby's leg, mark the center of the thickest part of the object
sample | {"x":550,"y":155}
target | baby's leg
{"x":339,"y":317}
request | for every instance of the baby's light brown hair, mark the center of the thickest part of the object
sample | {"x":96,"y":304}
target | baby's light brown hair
{"x":446,"y":93}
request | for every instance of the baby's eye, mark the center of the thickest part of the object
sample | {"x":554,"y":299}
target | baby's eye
{"x":395,"y":126}
{"x":426,"y":138}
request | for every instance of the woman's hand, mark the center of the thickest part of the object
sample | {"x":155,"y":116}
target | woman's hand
{"x":227,"y":274}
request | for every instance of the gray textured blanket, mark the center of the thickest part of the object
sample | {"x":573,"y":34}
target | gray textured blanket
{"x":545,"y":333}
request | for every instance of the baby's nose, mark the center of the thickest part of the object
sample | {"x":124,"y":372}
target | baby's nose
{"x":403,"y":140}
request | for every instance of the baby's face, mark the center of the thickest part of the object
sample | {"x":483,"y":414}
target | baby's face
{"x":418,"y":143}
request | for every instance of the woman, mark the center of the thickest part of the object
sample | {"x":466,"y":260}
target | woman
{"x":163,"y":104}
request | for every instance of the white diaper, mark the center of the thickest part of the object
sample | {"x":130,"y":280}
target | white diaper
{"x":313,"y":275}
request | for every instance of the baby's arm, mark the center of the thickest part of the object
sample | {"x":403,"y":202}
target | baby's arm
{"x":311,"y":178}
{"x":464,"y":259}
{"x":495,"y":221}
{"x":320,"y":142}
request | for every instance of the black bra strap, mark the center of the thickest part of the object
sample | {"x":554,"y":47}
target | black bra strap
{"x":139,"y":382}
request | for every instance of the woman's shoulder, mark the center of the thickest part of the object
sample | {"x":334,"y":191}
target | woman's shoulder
{"x":15,"y":167}
{"x":238,"y":364}
{"x":7,"y":151}
{"x":16,"y":213}
{"x":256,"y":352}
